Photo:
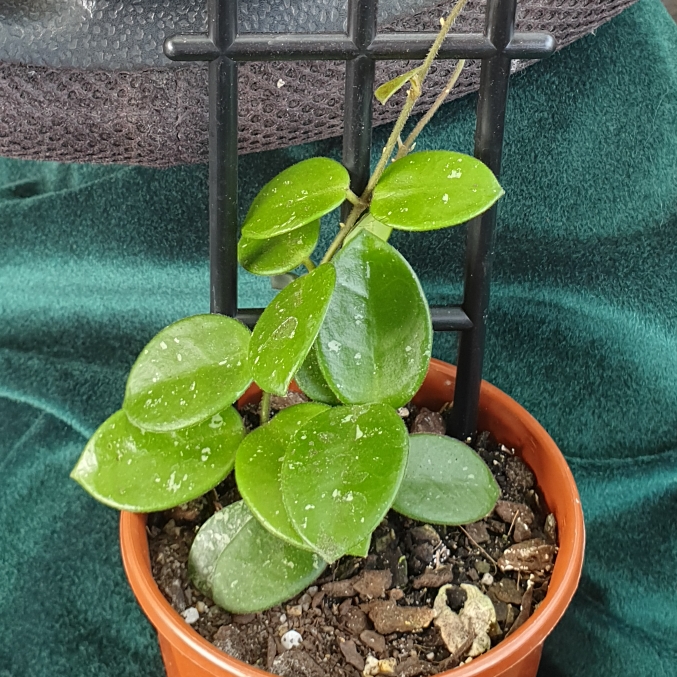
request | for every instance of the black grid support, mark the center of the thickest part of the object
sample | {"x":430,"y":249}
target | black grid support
{"x":361,"y":47}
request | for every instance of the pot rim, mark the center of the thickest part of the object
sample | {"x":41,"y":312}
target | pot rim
{"x":566,"y":572}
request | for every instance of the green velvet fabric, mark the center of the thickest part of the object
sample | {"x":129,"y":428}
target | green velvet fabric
{"x":583,"y":333}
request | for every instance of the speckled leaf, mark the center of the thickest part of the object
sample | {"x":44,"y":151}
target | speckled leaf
{"x":288,"y":327}
{"x":446,"y":482}
{"x":312,"y":382}
{"x":434,"y":189}
{"x":211,"y":540}
{"x":298,"y":195}
{"x":341,"y":474}
{"x":131,"y":469}
{"x":256,"y":571}
{"x":375,"y":342}
{"x":188,"y":372}
{"x":277,"y":255}
{"x":387,"y":89}
{"x":375,"y":227}
{"x":258,"y":466}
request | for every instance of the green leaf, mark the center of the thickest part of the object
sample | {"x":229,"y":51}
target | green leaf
{"x":210,"y":542}
{"x":434,"y":189}
{"x":280,"y":254}
{"x":297,"y":196}
{"x":131,"y":469}
{"x":341,"y":474}
{"x":375,"y":227}
{"x":312,"y":382}
{"x":288,"y":327}
{"x":258,"y":467}
{"x":446,"y":482}
{"x":375,"y":342}
{"x":191,"y":370}
{"x":387,"y":89}
{"x":255,"y":570}
{"x":360,"y":549}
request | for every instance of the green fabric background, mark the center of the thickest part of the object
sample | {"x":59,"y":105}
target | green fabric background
{"x":583,"y":332}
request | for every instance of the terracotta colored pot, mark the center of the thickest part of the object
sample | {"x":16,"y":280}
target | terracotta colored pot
{"x":186,"y":654}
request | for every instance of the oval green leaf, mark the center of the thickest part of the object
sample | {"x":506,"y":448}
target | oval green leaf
{"x":211,"y":540}
{"x":376,"y":339}
{"x":387,"y":89}
{"x":191,"y":370}
{"x":277,"y":255}
{"x":295,"y":197}
{"x":434,"y":189}
{"x":446,"y":482}
{"x":341,"y":474}
{"x":312,"y":382}
{"x":256,"y":571}
{"x":131,"y":469}
{"x":258,"y":467}
{"x":375,"y":227}
{"x":288,"y":327}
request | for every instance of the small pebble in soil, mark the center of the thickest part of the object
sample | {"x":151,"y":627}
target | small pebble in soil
{"x":290,"y":639}
{"x":191,"y":615}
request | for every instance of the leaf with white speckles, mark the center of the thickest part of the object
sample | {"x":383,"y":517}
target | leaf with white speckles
{"x":434,"y":189}
{"x":446,"y":482}
{"x":139,"y":471}
{"x":189,"y":371}
{"x":254,"y":570}
{"x":341,"y":473}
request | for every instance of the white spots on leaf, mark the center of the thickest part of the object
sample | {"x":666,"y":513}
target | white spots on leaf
{"x":455,"y":174}
{"x":163,"y":345}
{"x":358,"y":432}
{"x":334,"y":346}
{"x":310,"y":506}
{"x":205,"y":454}
{"x":176,"y":340}
{"x":216,"y":422}
{"x":178,"y":357}
{"x":445,"y":198}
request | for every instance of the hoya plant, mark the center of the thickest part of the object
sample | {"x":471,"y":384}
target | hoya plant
{"x":354,"y":333}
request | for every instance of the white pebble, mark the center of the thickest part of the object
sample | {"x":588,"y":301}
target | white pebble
{"x":430,"y":656}
{"x":283,"y":618}
{"x":291,"y":639}
{"x":191,"y":615}
{"x":487,"y":579}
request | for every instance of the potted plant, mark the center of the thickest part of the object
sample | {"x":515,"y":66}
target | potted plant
{"x":317,"y":479}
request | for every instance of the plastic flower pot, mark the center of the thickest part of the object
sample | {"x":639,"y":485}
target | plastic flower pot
{"x":187,"y":654}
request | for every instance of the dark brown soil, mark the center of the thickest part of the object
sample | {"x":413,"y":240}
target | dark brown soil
{"x":365,"y":609}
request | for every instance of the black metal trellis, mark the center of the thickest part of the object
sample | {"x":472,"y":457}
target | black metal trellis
{"x":360,"y":48}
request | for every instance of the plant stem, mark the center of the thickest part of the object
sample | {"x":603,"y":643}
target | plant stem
{"x":412,"y":97}
{"x":310,"y":266}
{"x":409,"y":143}
{"x":264,"y":412}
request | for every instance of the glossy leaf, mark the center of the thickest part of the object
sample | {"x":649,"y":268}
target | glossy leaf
{"x":387,"y":89}
{"x":341,"y":474}
{"x":210,"y":542}
{"x":297,"y":196}
{"x":446,"y":482}
{"x":375,"y":342}
{"x":288,"y":327}
{"x":361,"y":549}
{"x":277,"y":255}
{"x":258,"y":467}
{"x":131,"y":469}
{"x":191,"y":370}
{"x":434,"y":189}
{"x":375,"y":227}
{"x":256,"y":570}
{"x":312,"y":382}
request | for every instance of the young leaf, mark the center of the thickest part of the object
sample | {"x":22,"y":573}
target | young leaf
{"x":375,"y":342}
{"x":312,"y":382}
{"x":369,"y":223}
{"x":297,"y":196}
{"x":446,"y":482}
{"x":387,"y":89}
{"x":288,"y":327}
{"x":211,"y":540}
{"x":341,"y":473}
{"x":256,"y":570}
{"x":280,"y":254}
{"x":130,"y":469}
{"x":258,"y":466}
{"x":434,"y":189}
{"x":188,"y":372}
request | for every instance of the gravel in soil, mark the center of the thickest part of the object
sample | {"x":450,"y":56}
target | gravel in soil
{"x":374,"y":616}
